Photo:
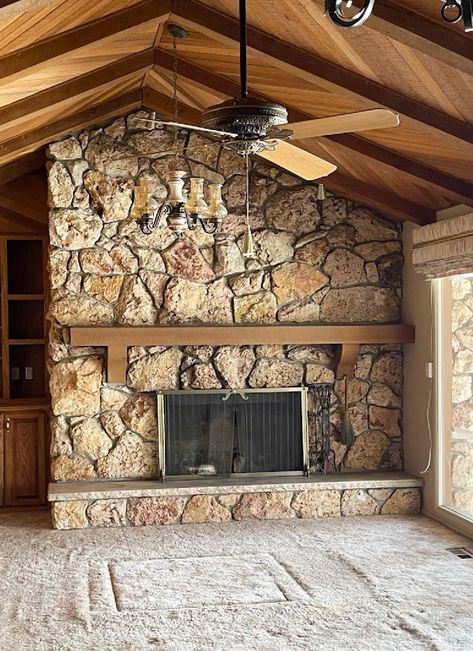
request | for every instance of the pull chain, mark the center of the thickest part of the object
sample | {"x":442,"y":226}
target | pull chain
{"x":247,"y":166}
{"x":248,"y":245}
{"x":174,"y":96}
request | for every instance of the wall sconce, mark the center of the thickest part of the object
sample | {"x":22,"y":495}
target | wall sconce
{"x":180,"y":212}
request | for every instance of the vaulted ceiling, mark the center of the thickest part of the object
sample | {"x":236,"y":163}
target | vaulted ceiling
{"x":68,"y":64}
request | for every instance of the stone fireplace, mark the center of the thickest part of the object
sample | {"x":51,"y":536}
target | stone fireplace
{"x":342,"y":267}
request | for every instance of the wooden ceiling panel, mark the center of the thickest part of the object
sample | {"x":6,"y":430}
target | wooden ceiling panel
{"x":77,"y":62}
{"x":419,"y":141}
{"x":19,"y":31}
{"x":57,"y":56}
{"x":40,"y":121}
{"x":431,"y":10}
{"x":362,"y":50}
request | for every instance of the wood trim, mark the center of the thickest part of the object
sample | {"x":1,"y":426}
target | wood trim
{"x":88,"y":81}
{"x":82,"y":35}
{"x":445,"y":329}
{"x":119,"y":339}
{"x":5,"y":370}
{"x":419,"y":172}
{"x":421,"y":33}
{"x":306,"y":64}
{"x":43,"y":135}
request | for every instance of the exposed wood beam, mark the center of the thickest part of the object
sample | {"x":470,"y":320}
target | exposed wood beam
{"x":309,"y":65}
{"x":25,"y":165}
{"x":36,"y":138}
{"x":420,"y":173}
{"x":41,"y":100}
{"x":82,"y":35}
{"x":423,"y":34}
{"x":389,"y":204}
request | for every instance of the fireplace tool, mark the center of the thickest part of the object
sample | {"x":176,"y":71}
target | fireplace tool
{"x":323,"y":394}
{"x":347,"y":430}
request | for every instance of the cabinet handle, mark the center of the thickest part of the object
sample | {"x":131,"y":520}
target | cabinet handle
{"x":7,"y":424}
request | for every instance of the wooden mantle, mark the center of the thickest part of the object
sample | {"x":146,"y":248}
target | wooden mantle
{"x":117,"y":340}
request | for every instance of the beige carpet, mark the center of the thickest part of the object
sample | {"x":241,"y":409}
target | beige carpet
{"x":338,"y":584}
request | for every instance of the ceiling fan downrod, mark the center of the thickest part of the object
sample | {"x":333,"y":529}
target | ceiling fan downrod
{"x":247,"y":117}
{"x":243,"y":53}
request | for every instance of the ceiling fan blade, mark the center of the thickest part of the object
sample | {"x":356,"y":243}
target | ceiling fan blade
{"x":362,"y":121}
{"x":190,"y":127}
{"x":297,"y":161}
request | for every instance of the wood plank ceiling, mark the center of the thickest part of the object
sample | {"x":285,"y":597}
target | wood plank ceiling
{"x":67,"y":64}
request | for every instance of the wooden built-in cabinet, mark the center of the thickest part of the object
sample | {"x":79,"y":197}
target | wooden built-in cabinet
{"x":24,"y":400}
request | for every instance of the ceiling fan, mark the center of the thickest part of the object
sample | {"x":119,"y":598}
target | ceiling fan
{"x":252,"y":126}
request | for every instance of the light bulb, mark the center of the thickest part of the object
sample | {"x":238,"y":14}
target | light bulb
{"x":216,"y":209}
{"x":196,"y":205}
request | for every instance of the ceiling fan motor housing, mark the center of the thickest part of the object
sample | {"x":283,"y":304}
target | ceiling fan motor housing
{"x":248,"y":117}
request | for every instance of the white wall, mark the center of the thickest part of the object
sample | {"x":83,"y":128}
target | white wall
{"x":416,"y":310}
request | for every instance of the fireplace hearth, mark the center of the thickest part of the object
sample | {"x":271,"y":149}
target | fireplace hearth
{"x":224,"y":433}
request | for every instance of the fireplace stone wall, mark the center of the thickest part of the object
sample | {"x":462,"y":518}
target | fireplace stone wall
{"x":344,"y":266}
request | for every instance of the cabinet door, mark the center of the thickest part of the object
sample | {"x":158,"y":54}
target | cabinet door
{"x":25,"y":462}
{"x":2,"y":463}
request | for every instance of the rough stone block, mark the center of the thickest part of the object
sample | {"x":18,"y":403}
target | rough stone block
{"x":69,"y":515}
{"x":154,"y":510}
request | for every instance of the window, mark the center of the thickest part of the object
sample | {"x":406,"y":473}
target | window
{"x":454,"y":393}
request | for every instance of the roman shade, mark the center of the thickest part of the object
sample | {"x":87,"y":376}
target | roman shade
{"x":444,"y":248}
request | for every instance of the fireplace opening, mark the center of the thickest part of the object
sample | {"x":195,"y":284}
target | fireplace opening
{"x":223,"y":433}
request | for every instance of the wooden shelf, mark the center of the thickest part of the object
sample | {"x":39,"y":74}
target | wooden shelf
{"x":350,"y":337}
{"x":26,"y":342}
{"x":42,"y":403}
{"x":25,"y":297}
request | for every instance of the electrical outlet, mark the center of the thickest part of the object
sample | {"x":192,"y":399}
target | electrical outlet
{"x":429,"y":370}
{"x":28,"y":372}
{"x":15,"y":373}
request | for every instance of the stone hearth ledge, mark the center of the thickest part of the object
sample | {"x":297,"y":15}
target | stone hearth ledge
{"x":101,"y":490}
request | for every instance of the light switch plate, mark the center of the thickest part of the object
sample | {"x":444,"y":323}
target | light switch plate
{"x":28,"y":372}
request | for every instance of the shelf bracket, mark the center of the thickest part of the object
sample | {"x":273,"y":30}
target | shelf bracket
{"x":347,"y":358}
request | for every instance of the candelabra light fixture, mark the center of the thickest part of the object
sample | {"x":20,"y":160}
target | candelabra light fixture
{"x":180,"y":211}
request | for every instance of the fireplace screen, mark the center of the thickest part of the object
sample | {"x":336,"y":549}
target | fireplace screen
{"x":224,"y":433}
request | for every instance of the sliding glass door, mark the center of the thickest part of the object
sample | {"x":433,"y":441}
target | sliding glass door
{"x":454,"y":394}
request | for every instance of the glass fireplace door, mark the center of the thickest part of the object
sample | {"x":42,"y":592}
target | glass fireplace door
{"x":223,"y":433}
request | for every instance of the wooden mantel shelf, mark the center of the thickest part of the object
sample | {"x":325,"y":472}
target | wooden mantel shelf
{"x":350,"y":337}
